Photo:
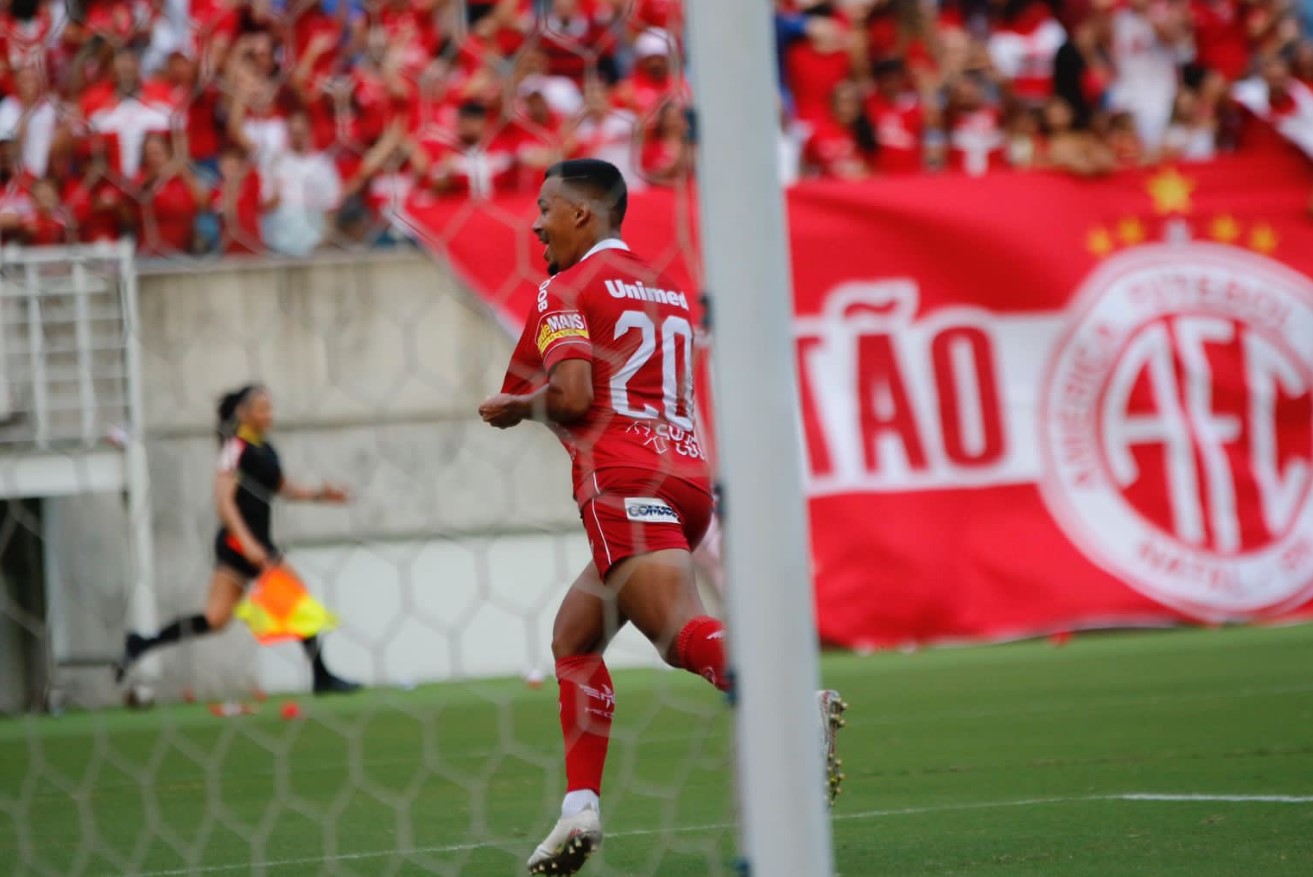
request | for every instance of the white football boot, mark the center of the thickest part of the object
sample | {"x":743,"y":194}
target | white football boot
{"x":832,"y":708}
{"x":571,"y":842}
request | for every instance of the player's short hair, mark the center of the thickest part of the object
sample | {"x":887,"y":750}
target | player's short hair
{"x":599,"y":180}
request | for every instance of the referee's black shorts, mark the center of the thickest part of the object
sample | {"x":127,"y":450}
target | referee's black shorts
{"x":228,"y":555}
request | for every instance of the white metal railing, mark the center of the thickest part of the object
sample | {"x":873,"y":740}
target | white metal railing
{"x":71,"y":404}
{"x":64,"y":345}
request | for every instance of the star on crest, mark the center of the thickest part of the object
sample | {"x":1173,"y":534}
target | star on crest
{"x":1171,"y":192}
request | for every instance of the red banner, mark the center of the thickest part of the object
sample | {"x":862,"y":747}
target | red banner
{"x":1032,"y":403}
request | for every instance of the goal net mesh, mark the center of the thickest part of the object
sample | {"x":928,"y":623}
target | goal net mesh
{"x":264,"y":212}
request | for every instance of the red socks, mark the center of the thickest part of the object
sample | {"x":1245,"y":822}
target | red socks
{"x":701,"y":650}
{"x":588,"y":699}
{"x":587,"y":705}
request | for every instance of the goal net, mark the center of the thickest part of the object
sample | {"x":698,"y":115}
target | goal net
{"x":294,"y":185}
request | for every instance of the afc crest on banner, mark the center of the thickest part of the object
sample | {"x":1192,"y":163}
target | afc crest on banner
{"x":1176,"y":428}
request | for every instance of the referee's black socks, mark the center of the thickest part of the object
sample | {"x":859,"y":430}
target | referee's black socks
{"x":193,"y":625}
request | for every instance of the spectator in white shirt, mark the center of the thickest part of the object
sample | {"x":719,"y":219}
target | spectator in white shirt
{"x":29,"y":117}
{"x":308,"y":190}
{"x":131,"y":114}
{"x":1149,"y":42}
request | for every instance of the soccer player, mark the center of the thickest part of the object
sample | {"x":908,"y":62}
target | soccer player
{"x":605,"y":360}
{"x":249,"y":478}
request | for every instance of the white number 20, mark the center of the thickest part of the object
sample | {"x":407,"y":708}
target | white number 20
{"x":677,"y":389}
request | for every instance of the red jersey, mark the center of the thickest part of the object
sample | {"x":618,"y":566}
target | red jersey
{"x":833,"y":151}
{"x":813,"y":76}
{"x":899,"y":129}
{"x":635,"y":327}
{"x":1221,"y":36}
{"x":238,"y":202}
{"x":48,"y":229}
{"x":976,"y":143}
{"x":167,"y":216}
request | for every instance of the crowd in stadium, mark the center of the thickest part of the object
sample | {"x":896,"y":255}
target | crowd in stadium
{"x":240,"y":126}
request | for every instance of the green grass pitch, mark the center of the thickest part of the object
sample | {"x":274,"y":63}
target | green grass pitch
{"x":1151,"y":753}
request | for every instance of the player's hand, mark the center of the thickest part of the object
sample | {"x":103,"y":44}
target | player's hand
{"x":334,"y":493}
{"x":260,"y":558}
{"x":502,"y":411}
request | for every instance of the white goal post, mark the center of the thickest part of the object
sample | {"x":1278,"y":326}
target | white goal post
{"x":783,"y":825}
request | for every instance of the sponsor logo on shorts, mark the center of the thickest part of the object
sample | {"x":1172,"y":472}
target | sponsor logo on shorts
{"x":557,"y":327}
{"x":648,"y":510}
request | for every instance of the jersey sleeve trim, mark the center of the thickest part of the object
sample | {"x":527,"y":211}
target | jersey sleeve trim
{"x":230,"y":456}
{"x":573,"y":349}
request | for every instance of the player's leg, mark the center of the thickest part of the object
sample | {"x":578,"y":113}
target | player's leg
{"x":585,"y":623}
{"x":708,"y":561}
{"x":657,"y":591}
{"x":325,"y":681}
{"x":225,"y":590}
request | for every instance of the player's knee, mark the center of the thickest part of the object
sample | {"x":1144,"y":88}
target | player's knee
{"x":564,"y":645}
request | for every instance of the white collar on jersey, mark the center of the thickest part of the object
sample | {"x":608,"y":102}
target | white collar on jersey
{"x":606,"y":244}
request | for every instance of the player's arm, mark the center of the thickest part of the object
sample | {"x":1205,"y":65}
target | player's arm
{"x":225,"y":502}
{"x":297,"y":492}
{"x":564,"y":399}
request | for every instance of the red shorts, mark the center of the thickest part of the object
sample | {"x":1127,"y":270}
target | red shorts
{"x":634,"y":512}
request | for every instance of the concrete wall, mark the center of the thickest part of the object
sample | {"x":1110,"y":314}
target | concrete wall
{"x":462,"y":539}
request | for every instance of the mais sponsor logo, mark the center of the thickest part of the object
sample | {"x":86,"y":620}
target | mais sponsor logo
{"x":556,"y":327}
{"x":649,"y":510}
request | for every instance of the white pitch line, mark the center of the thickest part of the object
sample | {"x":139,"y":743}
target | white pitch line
{"x":720,"y":826}
{"x":1220,"y":799}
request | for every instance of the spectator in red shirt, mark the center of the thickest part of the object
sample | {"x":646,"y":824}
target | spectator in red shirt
{"x":842,"y":144}
{"x":1220,"y":38}
{"x":29,"y":37}
{"x":1023,"y":47}
{"x":379,"y":184}
{"x":974,"y":127}
{"x":498,"y":27}
{"x":667,"y":156}
{"x":380,"y":92}
{"x":98,"y":203}
{"x":412,"y":26}
{"x":477,"y":163}
{"x":256,"y":122}
{"x":898,"y":117}
{"x":195,"y":106}
{"x":240,"y":202}
{"x":119,"y":22}
{"x":539,"y":134}
{"x":652,"y":80}
{"x":50,"y":223}
{"x":125,"y":112}
{"x":168,"y":197}
{"x":814,"y":66}
{"x":319,"y":88}
{"x":575,"y":41}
